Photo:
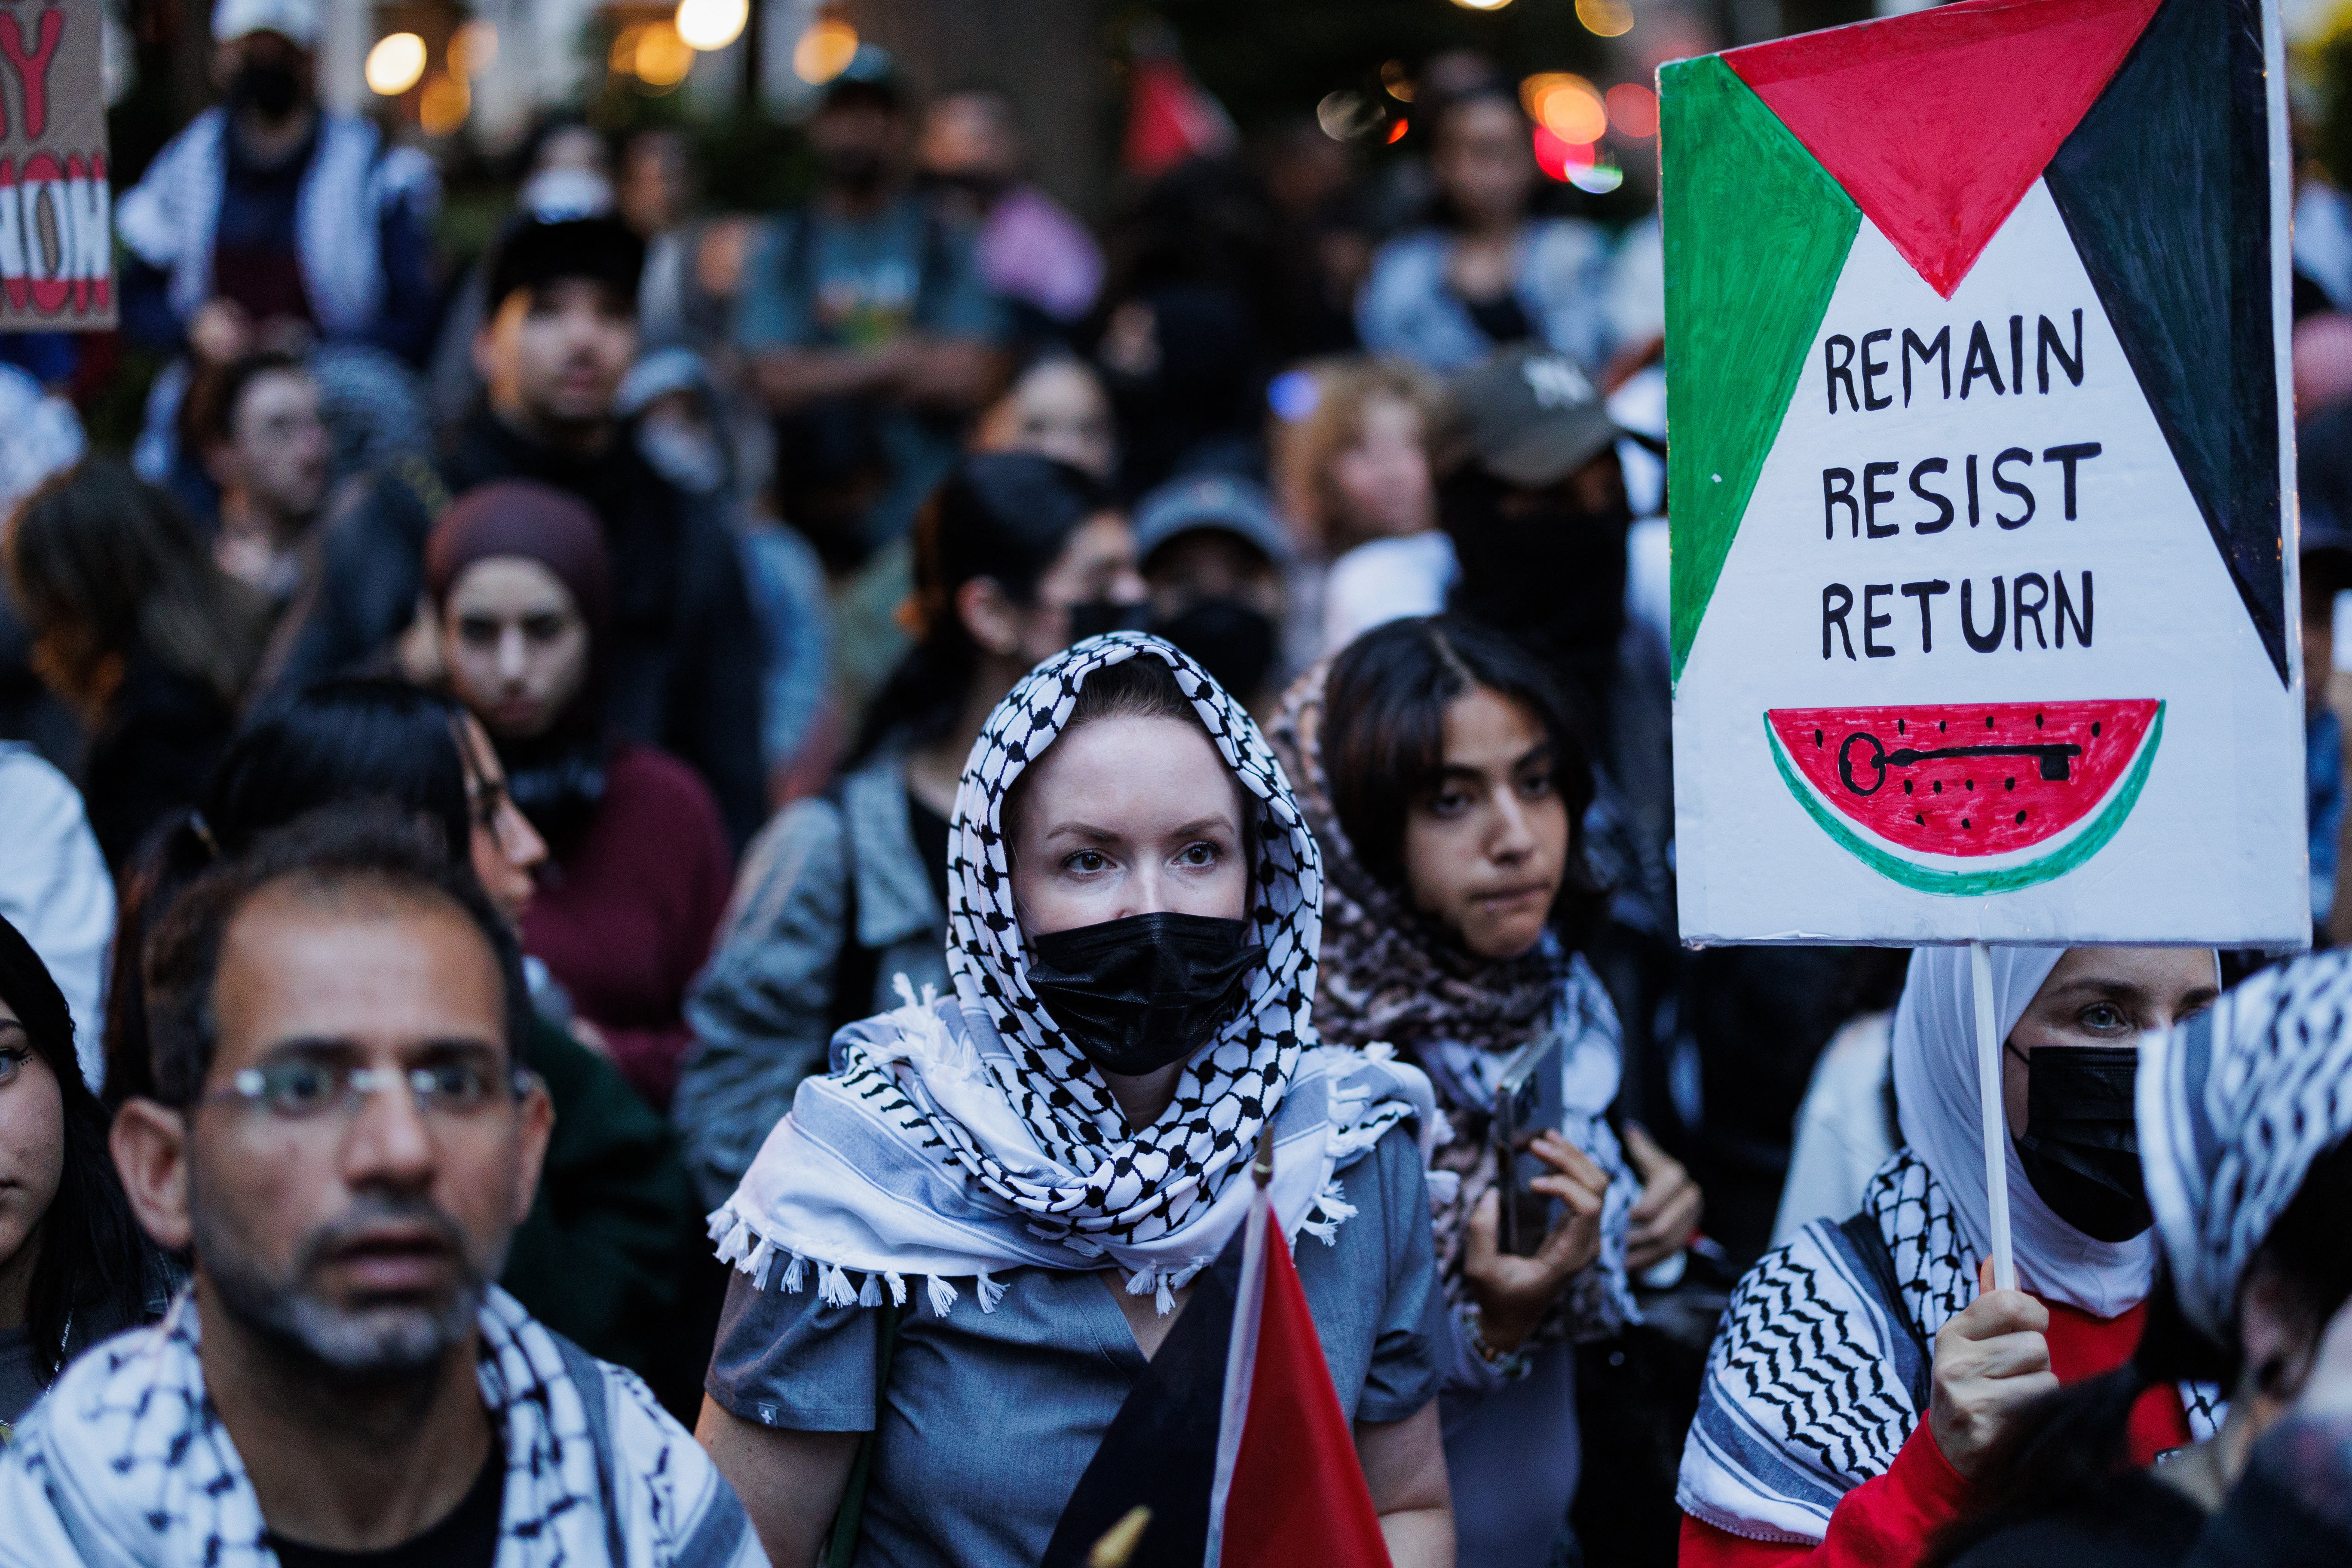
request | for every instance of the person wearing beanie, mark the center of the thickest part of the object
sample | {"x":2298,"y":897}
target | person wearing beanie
{"x":639,"y":864}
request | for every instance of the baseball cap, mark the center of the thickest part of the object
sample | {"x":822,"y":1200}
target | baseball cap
{"x":1218,"y":501}
{"x":536,"y":251}
{"x":1529,"y":416}
{"x":297,"y":21}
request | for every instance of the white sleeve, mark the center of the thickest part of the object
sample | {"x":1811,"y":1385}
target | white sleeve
{"x":1384,"y":581}
{"x":55,"y":888}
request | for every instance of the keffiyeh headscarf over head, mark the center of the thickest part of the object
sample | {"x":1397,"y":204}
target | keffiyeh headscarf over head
{"x":1137,"y":1185}
{"x":1936,"y":1091}
{"x":2234,"y":1107}
{"x":968,"y":1135}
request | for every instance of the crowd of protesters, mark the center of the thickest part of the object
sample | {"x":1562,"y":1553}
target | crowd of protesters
{"x":654,"y":894}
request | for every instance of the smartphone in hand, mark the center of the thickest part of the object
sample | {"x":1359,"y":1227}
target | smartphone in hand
{"x":1527,"y":1217}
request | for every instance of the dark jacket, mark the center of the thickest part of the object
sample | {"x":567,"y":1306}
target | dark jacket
{"x":683,"y":652}
{"x":150,"y":754}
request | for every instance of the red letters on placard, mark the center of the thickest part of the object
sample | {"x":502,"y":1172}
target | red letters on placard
{"x":31,"y":69}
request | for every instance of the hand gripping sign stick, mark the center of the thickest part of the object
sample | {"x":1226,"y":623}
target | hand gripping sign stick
{"x":1996,"y":1124}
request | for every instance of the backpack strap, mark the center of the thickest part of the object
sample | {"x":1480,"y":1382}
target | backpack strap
{"x":849,"y":1520}
{"x":1870,"y":1245}
{"x":855,"y":966}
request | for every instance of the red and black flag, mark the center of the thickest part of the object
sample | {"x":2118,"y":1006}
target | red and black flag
{"x":1233,"y":1439}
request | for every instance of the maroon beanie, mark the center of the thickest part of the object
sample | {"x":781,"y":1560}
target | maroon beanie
{"x":536,"y":521}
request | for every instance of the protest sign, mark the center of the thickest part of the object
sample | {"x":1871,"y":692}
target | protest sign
{"x":1984,"y":617}
{"x":57,"y":233}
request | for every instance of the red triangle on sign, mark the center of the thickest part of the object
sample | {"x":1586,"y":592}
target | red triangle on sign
{"x":1938,"y":123}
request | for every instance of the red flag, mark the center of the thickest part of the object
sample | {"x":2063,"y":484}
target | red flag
{"x":1170,"y":117}
{"x":1289,"y":1490}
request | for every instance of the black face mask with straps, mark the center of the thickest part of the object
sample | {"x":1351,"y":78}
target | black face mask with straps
{"x":2081,"y":1147}
{"x":1138,"y":993}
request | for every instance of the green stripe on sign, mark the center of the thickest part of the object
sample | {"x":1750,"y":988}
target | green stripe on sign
{"x":1756,"y":234}
{"x":1977,"y":884}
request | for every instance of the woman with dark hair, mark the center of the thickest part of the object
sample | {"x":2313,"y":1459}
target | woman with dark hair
{"x":1448,"y":793}
{"x":136,"y":630}
{"x":74,"y":1265}
{"x":604,"y":1254}
{"x":1016,"y":557}
{"x":1486,"y":273}
{"x":2245,"y":1132}
{"x":638,"y":862}
{"x":1039,"y":1165}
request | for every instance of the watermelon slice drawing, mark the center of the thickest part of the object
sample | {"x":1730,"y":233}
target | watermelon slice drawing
{"x":1968,"y":798}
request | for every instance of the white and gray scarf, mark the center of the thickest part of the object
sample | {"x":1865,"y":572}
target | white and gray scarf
{"x":965,"y":1136}
{"x":125,"y":1463}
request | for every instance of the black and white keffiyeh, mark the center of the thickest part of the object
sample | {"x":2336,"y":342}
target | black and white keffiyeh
{"x":2234,"y":1106}
{"x":125,"y":1463}
{"x":967,"y":1136}
{"x":1808,"y":1387}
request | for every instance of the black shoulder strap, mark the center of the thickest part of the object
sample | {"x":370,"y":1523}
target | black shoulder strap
{"x":1870,"y":1244}
{"x":855,"y":966}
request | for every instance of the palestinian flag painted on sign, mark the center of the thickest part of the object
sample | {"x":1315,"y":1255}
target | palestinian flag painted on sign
{"x":1982,"y":613}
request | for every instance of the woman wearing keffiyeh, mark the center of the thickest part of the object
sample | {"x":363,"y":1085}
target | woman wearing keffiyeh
{"x":1434,"y":765}
{"x":1020,"y":1181}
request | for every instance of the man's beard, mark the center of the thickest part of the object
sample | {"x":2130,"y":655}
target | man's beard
{"x":368,"y":1345}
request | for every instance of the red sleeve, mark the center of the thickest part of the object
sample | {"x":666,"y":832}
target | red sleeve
{"x":1886,"y":1522}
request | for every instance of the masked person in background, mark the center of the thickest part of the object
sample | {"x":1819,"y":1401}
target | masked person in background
{"x":1441,"y":779}
{"x":1213,"y":557}
{"x":1063,"y":1136}
{"x":1016,"y":557}
{"x":2246,"y":1141}
{"x":342,"y":1140}
{"x":1867,"y":1375}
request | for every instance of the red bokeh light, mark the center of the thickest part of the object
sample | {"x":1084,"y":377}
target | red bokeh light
{"x":1557,"y":157}
{"x":1633,"y":110}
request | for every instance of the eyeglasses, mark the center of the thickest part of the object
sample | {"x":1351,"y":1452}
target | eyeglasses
{"x":303,"y":1089}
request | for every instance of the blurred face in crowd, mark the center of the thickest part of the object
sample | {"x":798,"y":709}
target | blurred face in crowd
{"x":505,"y":849}
{"x":1485,"y":852}
{"x":1380,"y":485}
{"x":2106,"y":996}
{"x":857,"y":136}
{"x":515,"y":645}
{"x":1127,"y":816}
{"x":653,"y":182}
{"x":1097,"y":564}
{"x":358,"y":1231}
{"x":968,"y":140}
{"x":553,"y":355}
{"x":1210,"y":563}
{"x":276,"y":457}
{"x":265,"y":74}
{"x":1485,"y":163}
{"x":1059,"y":410}
{"x":32,"y":1160}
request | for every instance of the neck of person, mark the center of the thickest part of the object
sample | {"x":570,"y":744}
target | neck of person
{"x":267,"y":141}
{"x":338,"y":1464}
{"x":585,"y":439}
{"x":857,"y":202}
{"x":933,"y":772}
{"x":1143,"y":1100}
{"x":17,"y":1282}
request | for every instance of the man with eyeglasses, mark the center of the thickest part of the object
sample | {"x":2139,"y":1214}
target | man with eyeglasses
{"x":343,"y":1141}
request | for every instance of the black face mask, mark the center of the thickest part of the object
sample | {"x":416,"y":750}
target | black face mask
{"x":1138,"y":993}
{"x":1092,"y":618}
{"x":1233,"y":641}
{"x":269,"y":87}
{"x":2081,"y":1150}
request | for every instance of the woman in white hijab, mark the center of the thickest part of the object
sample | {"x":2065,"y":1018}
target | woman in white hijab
{"x":1864,"y":1370}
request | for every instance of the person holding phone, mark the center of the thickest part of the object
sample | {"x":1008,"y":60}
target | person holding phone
{"x":1435,"y":763}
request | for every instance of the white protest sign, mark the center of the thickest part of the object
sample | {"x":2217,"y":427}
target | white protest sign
{"x":1984,"y":615}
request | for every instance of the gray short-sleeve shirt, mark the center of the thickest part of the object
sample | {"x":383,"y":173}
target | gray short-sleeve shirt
{"x":992,"y":1417}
